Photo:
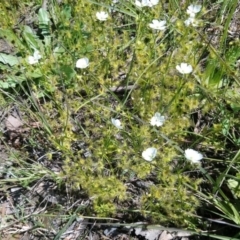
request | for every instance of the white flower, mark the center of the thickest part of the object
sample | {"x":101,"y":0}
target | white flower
{"x":82,"y":63}
{"x":192,"y":10}
{"x":193,"y":155}
{"x":117,"y":123}
{"x":37,"y":55}
{"x":34,"y":59}
{"x":115,"y":1}
{"x":184,"y":68}
{"x":191,"y":21}
{"x":146,"y":3}
{"x":149,"y":154}
{"x":158,"y":25}
{"x":142,"y":3}
{"x":157,"y":120}
{"x":102,"y":16}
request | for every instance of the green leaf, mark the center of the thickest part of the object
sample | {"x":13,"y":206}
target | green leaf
{"x":9,"y":59}
{"x":229,"y":210}
{"x":44,"y":22}
{"x":35,"y":74}
{"x":43,"y":16}
{"x":4,"y":67}
{"x":214,"y":75}
{"x":234,"y":186}
{"x":68,"y":72}
{"x":44,"y":25}
{"x":4,"y":85}
{"x":30,"y":38}
{"x":11,"y":82}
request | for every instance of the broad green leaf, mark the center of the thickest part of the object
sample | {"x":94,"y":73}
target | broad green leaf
{"x":47,"y":41}
{"x":43,"y":16}
{"x":44,"y":24}
{"x":9,"y":59}
{"x":4,"y":85}
{"x":35,"y":74}
{"x":30,"y":38}
{"x":68,"y":72}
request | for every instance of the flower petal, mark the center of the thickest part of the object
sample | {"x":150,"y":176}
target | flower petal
{"x":184,"y":68}
{"x":149,"y":154}
{"x":117,"y":123}
{"x":102,"y":16}
{"x":193,"y":156}
{"x":157,"y":120}
{"x":82,"y":63}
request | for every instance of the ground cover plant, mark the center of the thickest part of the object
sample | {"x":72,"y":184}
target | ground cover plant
{"x":120,"y":111}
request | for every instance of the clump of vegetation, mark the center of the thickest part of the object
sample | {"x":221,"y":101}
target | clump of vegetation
{"x":131,"y":92}
{"x":115,"y":155}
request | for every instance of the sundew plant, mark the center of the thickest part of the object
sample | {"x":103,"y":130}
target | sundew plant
{"x":125,"y":136}
{"x":134,"y":92}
